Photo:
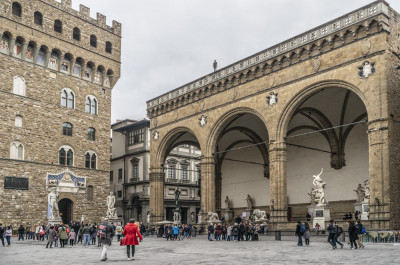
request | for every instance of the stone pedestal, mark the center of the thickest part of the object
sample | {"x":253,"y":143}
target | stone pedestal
{"x":249,"y":212}
{"x":177,"y":217}
{"x":54,"y":221}
{"x":310,"y":210}
{"x":322,"y":213}
{"x":363,"y":209}
{"x":228,"y":215}
{"x":115,"y":221}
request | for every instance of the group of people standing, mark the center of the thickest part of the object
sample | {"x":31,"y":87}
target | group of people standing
{"x":355,"y":232}
{"x":240,"y":231}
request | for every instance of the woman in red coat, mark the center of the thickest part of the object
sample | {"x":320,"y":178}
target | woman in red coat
{"x":131,"y":232}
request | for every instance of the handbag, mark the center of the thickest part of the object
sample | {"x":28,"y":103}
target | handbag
{"x":122,"y":242}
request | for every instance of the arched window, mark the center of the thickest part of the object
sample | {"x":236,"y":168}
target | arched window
{"x":76,"y":34}
{"x":77,"y":69}
{"x":68,"y":98}
{"x":108,"y":47}
{"x":88,"y":72}
{"x":18,"y":121}
{"x":71,"y":98}
{"x":16,"y":9}
{"x":41,"y":56}
{"x":17,"y":151}
{"x":67,"y":129}
{"x":58,"y":26}
{"x":90,"y":160}
{"x":64,"y":98}
{"x":4,"y":44}
{"x":66,"y":156}
{"x":38,"y":18}
{"x":94,"y":106}
{"x":93,"y":41}
{"x":91,"y":105}
{"x":19,"y":86}
{"x":91,"y":135}
{"x":65,"y":65}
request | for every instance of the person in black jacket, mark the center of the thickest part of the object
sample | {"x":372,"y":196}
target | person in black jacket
{"x":359,"y":228}
{"x":352,"y":235}
{"x":210,"y":229}
{"x":242,"y":230}
{"x":299,"y":234}
{"x":2,"y":234}
{"x":21,"y":232}
{"x":332,"y":229}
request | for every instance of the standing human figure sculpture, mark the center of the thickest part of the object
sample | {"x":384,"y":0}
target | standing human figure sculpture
{"x":110,"y":204}
{"x":177,"y":193}
{"x":360,"y":193}
{"x":319,"y":191}
{"x":367,"y":191}
{"x":52,"y":200}
{"x":227,"y":204}
{"x":249,"y":202}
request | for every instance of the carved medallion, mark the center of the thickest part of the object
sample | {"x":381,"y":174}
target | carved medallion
{"x":316,"y":64}
{"x":366,"y":69}
{"x":272,"y":99}
{"x":365,"y":46}
{"x":203,"y":120}
{"x":155,"y":135}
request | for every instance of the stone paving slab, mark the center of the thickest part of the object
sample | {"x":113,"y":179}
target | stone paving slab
{"x":201,"y":251}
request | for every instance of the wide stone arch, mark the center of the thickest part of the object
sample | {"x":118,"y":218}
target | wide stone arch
{"x":171,"y":140}
{"x":304,"y":94}
{"x":218,"y":127}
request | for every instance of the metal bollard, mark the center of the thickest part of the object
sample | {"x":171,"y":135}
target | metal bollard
{"x":278,"y":235}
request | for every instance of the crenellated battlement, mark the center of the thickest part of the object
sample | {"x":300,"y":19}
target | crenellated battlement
{"x":84,"y":14}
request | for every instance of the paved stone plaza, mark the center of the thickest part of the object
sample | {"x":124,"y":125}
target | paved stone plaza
{"x":201,"y":251}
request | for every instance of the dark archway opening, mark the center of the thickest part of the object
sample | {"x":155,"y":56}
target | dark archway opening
{"x":66,"y":207}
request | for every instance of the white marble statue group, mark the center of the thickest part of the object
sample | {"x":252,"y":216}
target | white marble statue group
{"x":318,"y":193}
{"x":111,"y":211}
{"x":363,"y":193}
{"x":53,"y":206}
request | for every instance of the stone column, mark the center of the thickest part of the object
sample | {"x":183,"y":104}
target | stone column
{"x":379,"y":180}
{"x":278,"y":188}
{"x":157,"y":177}
{"x":23,"y":50}
{"x":11,"y":45}
{"x":35,"y":53}
{"x":71,"y":65}
{"x":218,"y":190}
{"x":208,"y":184}
{"x":46,"y":58}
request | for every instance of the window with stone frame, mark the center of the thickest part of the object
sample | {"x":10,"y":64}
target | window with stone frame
{"x":91,"y":134}
{"x":120,"y":175}
{"x":91,"y":105}
{"x":67,"y":98}
{"x":90,"y":160}
{"x":76,"y":34}
{"x":184,"y":173}
{"x":136,"y":136}
{"x":38,"y":18}
{"x":58,"y":26}
{"x":16,"y":9}
{"x":17,"y":150}
{"x":171,"y":172}
{"x":18,"y":121}
{"x":93,"y":41}
{"x":108,"y":47}
{"x":90,"y":193}
{"x":119,"y":194}
{"x":19,"y":86}
{"x":67,"y":129}
{"x":135,"y":168}
{"x":66,"y":156}
{"x":111,"y":176}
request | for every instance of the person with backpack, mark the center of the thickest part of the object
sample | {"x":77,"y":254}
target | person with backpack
{"x":360,"y":230}
{"x":105,"y":233}
{"x":118,"y":232}
{"x":131,"y":233}
{"x":339,"y":232}
{"x":300,"y":229}
{"x":235,"y":232}
{"x":210,"y":229}
{"x":307,"y":234}
{"x":352,"y":235}
{"x":332,"y":229}
{"x":93,"y":234}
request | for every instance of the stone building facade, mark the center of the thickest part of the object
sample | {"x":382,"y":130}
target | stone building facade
{"x":327,"y":98}
{"x":58,"y":67}
{"x":129,"y":175}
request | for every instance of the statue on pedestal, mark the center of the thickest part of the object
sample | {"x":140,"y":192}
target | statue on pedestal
{"x":319,"y":192}
{"x":52,"y":200}
{"x":260,"y":215}
{"x":367,"y":194}
{"x":360,"y":193}
{"x":213,"y":217}
{"x":111,"y":211}
{"x":227,"y":204}
{"x":312,"y":195}
{"x":249,"y":202}
{"x":177,"y":193}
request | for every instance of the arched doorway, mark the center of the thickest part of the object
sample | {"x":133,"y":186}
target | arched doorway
{"x":328,"y":129}
{"x":66,"y":207}
{"x":241,"y":164}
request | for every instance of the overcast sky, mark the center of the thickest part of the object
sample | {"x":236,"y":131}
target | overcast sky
{"x":168,"y":43}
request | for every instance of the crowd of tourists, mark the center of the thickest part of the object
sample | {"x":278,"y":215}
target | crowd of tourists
{"x":355,"y":233}
{"x":75,"y":233}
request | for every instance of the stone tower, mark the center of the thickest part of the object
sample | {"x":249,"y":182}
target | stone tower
{"x":58,"y":67}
